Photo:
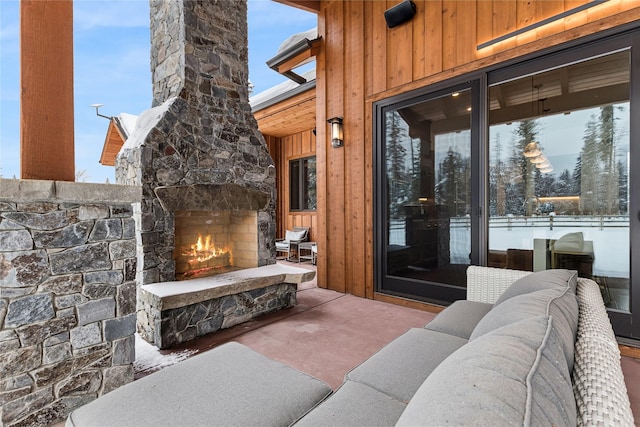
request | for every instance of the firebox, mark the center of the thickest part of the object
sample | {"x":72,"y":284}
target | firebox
{"x":214,"y":242}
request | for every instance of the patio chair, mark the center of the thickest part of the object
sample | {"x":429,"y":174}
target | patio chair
{"x":292,"y":238}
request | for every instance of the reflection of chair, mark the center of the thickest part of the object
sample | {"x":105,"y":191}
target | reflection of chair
{"x":572,"y":252}
{"x":292,"y":238}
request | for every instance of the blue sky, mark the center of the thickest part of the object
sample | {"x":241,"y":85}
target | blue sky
{"x":111,"y":67}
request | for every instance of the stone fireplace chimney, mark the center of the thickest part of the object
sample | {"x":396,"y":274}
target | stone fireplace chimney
{"x":198,"y":153}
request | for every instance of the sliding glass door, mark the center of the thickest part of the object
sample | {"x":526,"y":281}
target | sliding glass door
{"x":528,"y":166}
{"x":426,"y":201}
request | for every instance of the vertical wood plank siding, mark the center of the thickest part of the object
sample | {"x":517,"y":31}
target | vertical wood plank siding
{"x":282,"y":150}
{"x":362,"y":61}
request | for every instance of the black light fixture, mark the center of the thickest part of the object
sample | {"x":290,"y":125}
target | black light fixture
{"x":336,"y":132}
{"x":400,"y":13}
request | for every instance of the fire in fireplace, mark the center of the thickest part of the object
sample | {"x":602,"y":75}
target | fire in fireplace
{"x":214,"y":242}
{"x":204,"y":255}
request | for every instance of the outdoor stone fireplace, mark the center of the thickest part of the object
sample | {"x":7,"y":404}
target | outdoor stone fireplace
{"x":206,"y":177}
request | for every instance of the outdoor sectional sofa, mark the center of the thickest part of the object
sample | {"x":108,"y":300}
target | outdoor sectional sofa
{"x":538,"y":352}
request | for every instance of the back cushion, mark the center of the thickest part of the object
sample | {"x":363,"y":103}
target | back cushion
{"x":546,"y":279}
{"x":562,"y":305}
{"x":511,"y":376}
{"x":294,"y":235}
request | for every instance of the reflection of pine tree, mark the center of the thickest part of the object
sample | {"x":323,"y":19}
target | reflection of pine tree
{"x":564,"y":186}
{"x":497,"y":182}
{"x":589,"y":169}
{"x":576,"y":178}
{"x":310,"y":176}
{"x":609,"y":191}
{"x":396,"y":163}
{"x":451,"y":190}
{"x":523,"y":192}
{"x":599,"y":170}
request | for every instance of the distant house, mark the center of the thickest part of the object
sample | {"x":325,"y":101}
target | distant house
{"x":120,"y":127}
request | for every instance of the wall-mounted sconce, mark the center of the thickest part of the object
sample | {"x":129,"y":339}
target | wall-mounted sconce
{"x":400,"y":13}
{"x":337,"y":138}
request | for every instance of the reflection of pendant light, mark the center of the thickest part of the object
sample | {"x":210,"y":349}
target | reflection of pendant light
{"x":532,"y":150}
{"x":539,"y":159}
{"x":543,"y":165}
{"x":548,"y":169}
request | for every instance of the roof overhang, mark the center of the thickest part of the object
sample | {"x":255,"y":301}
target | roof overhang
{"x":294,"y":56}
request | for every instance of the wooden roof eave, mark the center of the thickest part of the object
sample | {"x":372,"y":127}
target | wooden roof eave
{"x":312,"y":6}
{"x":113,"y":142}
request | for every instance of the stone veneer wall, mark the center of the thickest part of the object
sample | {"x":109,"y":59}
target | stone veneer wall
{"x":199,"y":145}
{"x":67,"y":296}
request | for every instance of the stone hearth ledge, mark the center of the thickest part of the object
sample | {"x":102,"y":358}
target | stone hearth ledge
{"x":170,"y":295}
{"x":32,"y":190}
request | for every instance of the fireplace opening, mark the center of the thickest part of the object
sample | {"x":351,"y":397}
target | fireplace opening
{"x":214,"y":242}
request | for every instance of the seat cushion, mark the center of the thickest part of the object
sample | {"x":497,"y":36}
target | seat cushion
{"x":230,"y":385}
{"x":546,"y":279}
{"x":460,"y":318}
{"x":514,"y":375}
{"x":355,"y":404}
{"x":284,"y":246}
{"x":562,"y":305}
{"x":400,"y":367}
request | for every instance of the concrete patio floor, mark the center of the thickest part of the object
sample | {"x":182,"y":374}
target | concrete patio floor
{"x":325,"y":335}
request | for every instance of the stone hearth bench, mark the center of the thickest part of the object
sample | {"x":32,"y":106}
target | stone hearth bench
{"x":176,"y":312}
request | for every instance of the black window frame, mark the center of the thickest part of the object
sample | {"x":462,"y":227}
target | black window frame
{"x":298,"y":193}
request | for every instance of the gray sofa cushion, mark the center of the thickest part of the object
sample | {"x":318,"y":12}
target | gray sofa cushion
{"x":547,"y":279}
{"x":230,"y":385}
{"x":355,"y":404}
{"x":400,"y":367}
{"x":460,"y":318}
{"x":515,"y":375}
{"x":562,"y":305}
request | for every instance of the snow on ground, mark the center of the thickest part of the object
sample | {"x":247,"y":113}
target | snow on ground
{"x":149,"y":358}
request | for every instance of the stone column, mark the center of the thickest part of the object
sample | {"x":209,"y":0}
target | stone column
{"x":46,"y":90}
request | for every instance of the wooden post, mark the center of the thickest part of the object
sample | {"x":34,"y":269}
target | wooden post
{"x":46,"y":90}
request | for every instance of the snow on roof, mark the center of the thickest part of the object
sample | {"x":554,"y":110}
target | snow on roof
{"x":280,"y":89}
{"x":128,"y":123}
{"x":311,"y":34}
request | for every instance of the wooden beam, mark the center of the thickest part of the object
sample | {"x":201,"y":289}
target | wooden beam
{"x":46,"y":90}
{"x":312,"y":6}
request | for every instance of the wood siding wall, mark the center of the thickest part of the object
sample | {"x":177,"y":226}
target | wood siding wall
{"x":362,"y":61}
{"x":282,"y":150}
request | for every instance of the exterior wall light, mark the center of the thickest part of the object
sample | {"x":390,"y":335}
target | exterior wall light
{"x":337,"y":138}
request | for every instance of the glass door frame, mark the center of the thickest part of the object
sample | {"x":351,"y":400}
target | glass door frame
{"x":438,"y":293}
{"x":627,"y":37}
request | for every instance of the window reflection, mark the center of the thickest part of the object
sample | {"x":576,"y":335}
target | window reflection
{"x":559,"y":173}
{"x":428,"y":175}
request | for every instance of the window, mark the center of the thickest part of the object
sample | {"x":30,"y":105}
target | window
{"x":559,"y":162}
{"x":302,"y":184}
